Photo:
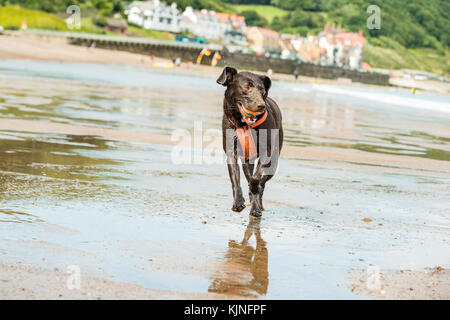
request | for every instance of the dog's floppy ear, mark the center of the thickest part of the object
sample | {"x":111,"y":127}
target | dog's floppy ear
{"x":267,"y":84}
{"x":227,"y":76}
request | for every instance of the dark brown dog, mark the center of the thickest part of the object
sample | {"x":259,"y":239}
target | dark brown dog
{"x":246,"y":95}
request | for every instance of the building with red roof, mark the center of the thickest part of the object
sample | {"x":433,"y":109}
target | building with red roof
{"x":332,"y":46}
{"x":263,"y":40}
{"x":203,"y":23}
{"x":215,"y":25}
{"x":235,"y":26}
{"x":342,"y":48}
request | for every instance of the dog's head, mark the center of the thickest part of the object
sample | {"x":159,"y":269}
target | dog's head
{"x":245,"y":89}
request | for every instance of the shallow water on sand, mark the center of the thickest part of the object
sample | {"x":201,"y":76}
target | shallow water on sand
{"x":364,"y":181}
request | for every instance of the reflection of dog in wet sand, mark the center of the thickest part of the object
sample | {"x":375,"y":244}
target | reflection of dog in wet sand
{"x":245,"y":270}
{"x":253,"y":119}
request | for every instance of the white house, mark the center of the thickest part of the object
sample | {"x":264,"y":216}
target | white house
{"x":332,"y":46}
{"x":155,"y":15}
{"x":341,"y":48}
{"x":203,"y":23}
{"x":235,"y":27}
{"x":213,"y":25}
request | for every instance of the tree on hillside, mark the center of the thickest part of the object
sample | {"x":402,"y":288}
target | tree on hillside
{"x":308,"y":5}
{"x":276,"y":24}
{"x":262,"y":2}
{"x":216,"y":5}
{"x":299,"y":18}
{"x":252,"y":18}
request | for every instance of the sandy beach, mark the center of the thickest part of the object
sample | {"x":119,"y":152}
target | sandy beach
{"x":429,"y":284}
{"x":21,"y":282}
{"x":16,"y":45}
{"x":32,"y":47}
{"x":89,"y":178}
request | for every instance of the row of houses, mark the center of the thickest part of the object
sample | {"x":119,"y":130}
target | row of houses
{"x":214,"y":25}
{"x":160,"y":16}
{"x":332,"y":46}
{"x":155,"y":15}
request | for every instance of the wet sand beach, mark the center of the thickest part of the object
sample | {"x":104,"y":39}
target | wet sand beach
{"x":90,"y":177}
{"x":21,"y":282}
{"x":28,"y":46}
{"x":430,"y":283}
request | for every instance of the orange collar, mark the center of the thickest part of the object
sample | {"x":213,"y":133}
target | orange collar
{"x":248,"y":116}
{"x":254,"y":125}
{"x":261,"y":120}
{"x":246,"y":140}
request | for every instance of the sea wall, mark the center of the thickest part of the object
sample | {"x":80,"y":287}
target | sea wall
{"x":189,"y":52}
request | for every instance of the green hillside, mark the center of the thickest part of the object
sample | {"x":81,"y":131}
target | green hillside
{"x":216,"y":5}
{"x":387,"y":53}
{"x":412,"y":23}
{"x":12,"y":17}
{"x":108,"y":7}
{"x":402,"y":58}
{"x":266,"y":11}
{"x":413,"y":34}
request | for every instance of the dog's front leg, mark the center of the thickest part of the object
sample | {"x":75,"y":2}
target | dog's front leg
{"x":255,"y":190}
{"x":247,"y":168}
{"x":233,"y":171}
{"x":259,"y":182}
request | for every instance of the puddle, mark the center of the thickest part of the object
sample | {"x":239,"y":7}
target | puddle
{"x":7,"y":215}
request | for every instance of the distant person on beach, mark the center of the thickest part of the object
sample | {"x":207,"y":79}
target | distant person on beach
{"x":296,"y":74}
{"x":269,"y":72}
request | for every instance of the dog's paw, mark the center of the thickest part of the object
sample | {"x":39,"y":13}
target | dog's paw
{"x":261,"y":207}
{"x":238,"y":207}
{"x":256,"y":212}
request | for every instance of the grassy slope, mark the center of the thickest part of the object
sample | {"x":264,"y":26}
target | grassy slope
{"x":420,"y":59}
{"x":12,"y":17}
{"x":392,"y":55}
{"x":268,"y":12}
{"x":216,"y":5}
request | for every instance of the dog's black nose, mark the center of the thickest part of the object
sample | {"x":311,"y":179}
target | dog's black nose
{"x":261,"y":107}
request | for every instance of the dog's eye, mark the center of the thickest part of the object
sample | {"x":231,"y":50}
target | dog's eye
{"x":247,"y":88}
